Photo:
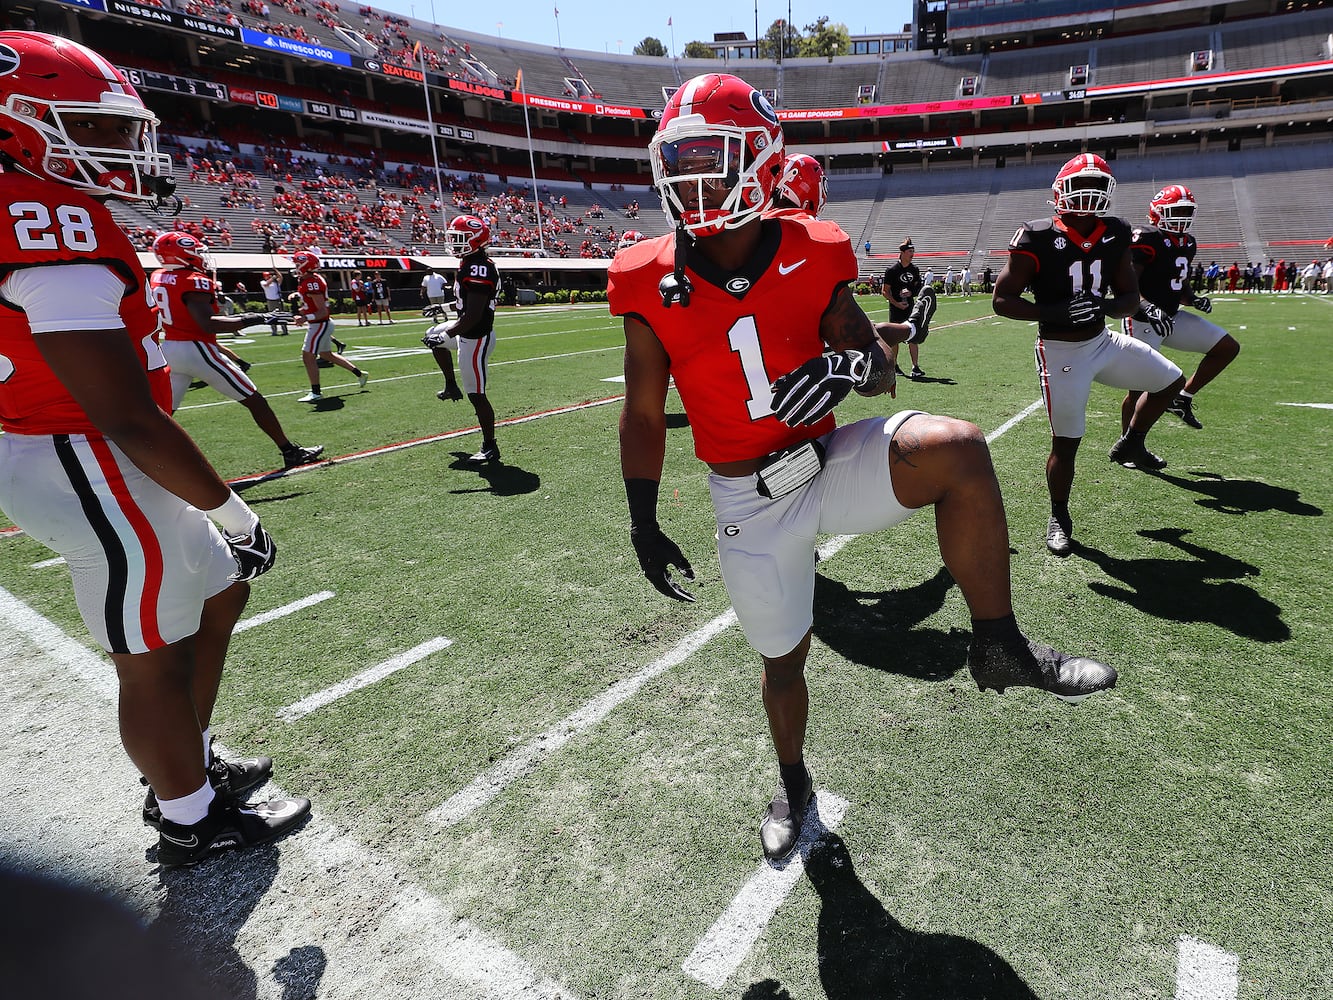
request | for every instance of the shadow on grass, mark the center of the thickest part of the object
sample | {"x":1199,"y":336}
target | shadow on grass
{"x":864,"y":952}
{"x":204,"y":908}
{"x":1200,"y":589}
{"x":1243,"y":496}
{"x":501,"y":480}
{"x":879,"y":629}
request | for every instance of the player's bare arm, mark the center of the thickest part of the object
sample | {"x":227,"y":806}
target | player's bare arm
{"x":103,"y":373}
{"x":643,"y":417}
{"x":1007,"y":300}
{"x":845,"y":327}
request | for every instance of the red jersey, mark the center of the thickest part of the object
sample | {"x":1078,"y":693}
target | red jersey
{"x":308,"y":286}
{"x":43,"y":223}
{"x":170,"y":286}
{"x":741,"y":330}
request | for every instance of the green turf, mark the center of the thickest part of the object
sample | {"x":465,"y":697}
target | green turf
{"x":994,"y":846}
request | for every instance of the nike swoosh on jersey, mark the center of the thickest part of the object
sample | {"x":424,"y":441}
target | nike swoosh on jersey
{"x":785,"y":269}
{"x":1107,"y":239}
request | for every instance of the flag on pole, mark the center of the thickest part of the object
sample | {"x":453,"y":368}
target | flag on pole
{"x":668,"y":22}
{"x":518,"y":79}
{"x":557,"y":12}
{"x":416,"y":51}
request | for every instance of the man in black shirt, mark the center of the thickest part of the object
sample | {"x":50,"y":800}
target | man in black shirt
{"x":902,"y":284}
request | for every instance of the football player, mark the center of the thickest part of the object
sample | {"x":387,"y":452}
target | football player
{"x":1163,"y":253}
{"x":1079,"y":269}
{"x":185,"y":296}
{"x":802,"y":186}
{"x":754,"y":320}
{"x":160,"y":549}
{"x":313,"y":293}
{"x":472,"y":333}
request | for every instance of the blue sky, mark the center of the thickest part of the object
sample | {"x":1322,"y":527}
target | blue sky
{"x":621,"y":26}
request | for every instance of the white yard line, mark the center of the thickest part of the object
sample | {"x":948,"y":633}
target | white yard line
{"x":364,"y":679}
{"x":264,"y":617}
{"x":1313,"y":406}
{"x":486,"y":786}
{"x":70,"y":810}
{"x":725,"y":945}
{"x":1205,"y":972}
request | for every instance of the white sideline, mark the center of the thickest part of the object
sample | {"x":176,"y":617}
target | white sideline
{"x":1205,"y":972}
{"x":364,"y":679}
{"x":264,"y":617}
{"x":327,"y":891}
{"x":490,"y":783}
{"x":725,"y":945}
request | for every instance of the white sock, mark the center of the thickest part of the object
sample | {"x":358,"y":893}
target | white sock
{"x":208,"y":746}
{"x":188,"y":809}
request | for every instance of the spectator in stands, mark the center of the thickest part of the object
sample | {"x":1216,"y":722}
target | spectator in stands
{"x":902,"y":284}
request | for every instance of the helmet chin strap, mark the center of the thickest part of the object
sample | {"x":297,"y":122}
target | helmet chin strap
{"x":676,"y":287}
{"x":166,"y":200}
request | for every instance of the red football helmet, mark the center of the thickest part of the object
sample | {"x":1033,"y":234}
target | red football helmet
{"x":303,"y":262}
{"x":182,"y":250}
{"x":468,"y":234}
{"x":628,"y":238}
{"x":719,"y":137}
{"x":1172,"y":209}
{"x":803,"y":183}
{"x":50,"y":86}
{"x":1083,"y":186}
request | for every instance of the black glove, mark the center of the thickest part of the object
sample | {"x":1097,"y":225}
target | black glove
{"x":432,"y":311}
{"x":1082,"y":309}
{"x":1161,"y":323}
{"x":1202,"y":303}
{"x":254,"y":553}
{"x":810,"y":393}
{"x":656,"y":552}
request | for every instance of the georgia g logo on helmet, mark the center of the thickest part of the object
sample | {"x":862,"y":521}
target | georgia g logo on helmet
{"x":1172,"y":209}
{"x":716,"y":154}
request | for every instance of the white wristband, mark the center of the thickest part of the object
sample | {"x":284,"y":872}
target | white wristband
{"x":234,"y":516}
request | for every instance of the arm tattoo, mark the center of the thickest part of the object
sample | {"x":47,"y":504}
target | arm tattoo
{"x":904,"y":445}
{"x":844,"y":326}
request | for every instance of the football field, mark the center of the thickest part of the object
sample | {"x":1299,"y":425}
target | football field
{"x":533,"y":776}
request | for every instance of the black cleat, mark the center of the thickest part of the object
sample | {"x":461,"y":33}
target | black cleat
{"x":917,"y":372}
{"x":231,"y":779}
{"x":295,"y":455}
{"x":781,"y":826}
{"x":999,"y":665}
{"x":339,"y":345}
{"x":488,"y":453}
{"x":227,"y":825}
{"x":922,"y":311}
{"x":1059,"y":535}
{"x":1184,"y":408}
{"x":898,"y":371}
{"x":450,"y":392}
{"x":1136,"y":456}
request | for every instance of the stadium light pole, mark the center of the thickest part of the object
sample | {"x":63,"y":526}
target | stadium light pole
{"x":532,"y":164}
{"x":434,"y":139}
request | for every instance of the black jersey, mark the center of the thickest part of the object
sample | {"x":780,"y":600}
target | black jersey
{"x":1165,"y":259}
{"x":477,"y":273}
{"x":902,"y":282}
{"x":1068,"y":262}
